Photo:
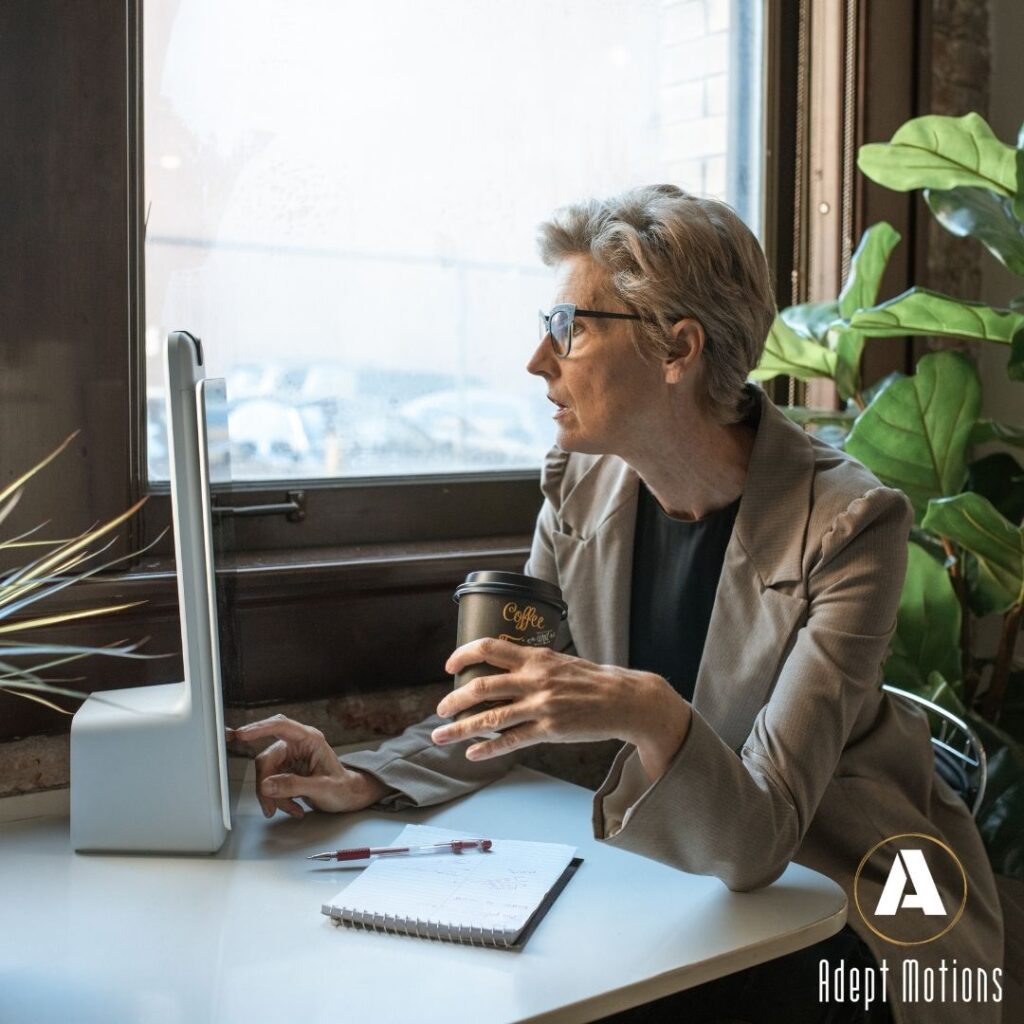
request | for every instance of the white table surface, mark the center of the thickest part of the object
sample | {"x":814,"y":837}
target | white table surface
{"x":239,"y":937}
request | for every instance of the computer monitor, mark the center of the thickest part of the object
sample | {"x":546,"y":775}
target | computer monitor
{"x":149,"y":764}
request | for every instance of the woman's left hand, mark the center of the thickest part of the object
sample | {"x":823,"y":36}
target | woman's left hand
{"x":559,"y":698}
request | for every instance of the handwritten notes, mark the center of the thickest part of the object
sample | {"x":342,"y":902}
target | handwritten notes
{"x":494,"y":892}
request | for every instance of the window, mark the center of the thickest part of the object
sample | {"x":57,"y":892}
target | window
{"x":343,"y":204}
{"x":356,"y":596}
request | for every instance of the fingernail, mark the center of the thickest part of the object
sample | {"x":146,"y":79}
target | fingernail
{"x":472,"y":753}
{"x":441,"y":709}
{"x":439,"y":735}
{"x":270,"y":787}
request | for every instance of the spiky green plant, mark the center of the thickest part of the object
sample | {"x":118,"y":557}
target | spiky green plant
{"x":61,"y":564}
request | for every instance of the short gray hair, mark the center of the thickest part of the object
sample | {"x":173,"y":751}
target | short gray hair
{"x":669,"y":255}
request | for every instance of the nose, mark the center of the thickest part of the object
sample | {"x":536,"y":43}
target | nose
{"x":543,"y":362}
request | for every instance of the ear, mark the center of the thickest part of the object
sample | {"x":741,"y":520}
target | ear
{"x":688,"y":344}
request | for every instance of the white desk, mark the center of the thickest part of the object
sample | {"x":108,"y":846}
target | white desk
{"x":239,"y":937}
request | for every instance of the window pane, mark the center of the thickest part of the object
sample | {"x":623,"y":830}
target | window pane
{"x":343,"y":205}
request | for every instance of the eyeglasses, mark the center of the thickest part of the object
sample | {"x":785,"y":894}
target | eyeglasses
{"x":560,"y":321}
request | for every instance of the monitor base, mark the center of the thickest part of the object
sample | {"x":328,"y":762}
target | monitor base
{"x":139,"y":778}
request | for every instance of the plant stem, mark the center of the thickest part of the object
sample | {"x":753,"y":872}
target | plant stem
{"x":959,"y":581}
{"x":993,"y":704}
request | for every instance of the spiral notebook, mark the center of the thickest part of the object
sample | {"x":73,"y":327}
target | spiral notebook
{"x":481,"y":899}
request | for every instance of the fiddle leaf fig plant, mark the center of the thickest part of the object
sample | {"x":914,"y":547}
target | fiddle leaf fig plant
{"x":789,"y":352}
{"x":988,"y":430}
{"x":919,"y":311}
{"x":816,"y":339}
{"x":914,"y":433}
{"x":984,"y":215}
{"x":920,"y":434}
{"x":974,"y":523}
{"x":942,"y":153}
{"x":866,"y":269}
{"x":929,"y":614}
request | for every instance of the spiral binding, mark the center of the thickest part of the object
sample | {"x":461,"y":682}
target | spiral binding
{"x":364,"y":920}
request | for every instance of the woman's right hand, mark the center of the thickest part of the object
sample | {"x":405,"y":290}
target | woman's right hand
{"x":301,"y":763}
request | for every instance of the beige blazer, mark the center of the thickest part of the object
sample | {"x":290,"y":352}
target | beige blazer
{"x":794,"y":753}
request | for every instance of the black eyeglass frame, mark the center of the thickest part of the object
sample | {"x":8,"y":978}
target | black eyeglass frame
{"x":574,"y":311}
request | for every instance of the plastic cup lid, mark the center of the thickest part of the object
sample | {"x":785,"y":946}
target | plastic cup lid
{"x":512,"y":584}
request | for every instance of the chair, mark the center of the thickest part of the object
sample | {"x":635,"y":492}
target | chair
{"x":959,"y":753}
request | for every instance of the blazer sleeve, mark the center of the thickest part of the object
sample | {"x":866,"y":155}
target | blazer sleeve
{"x":742,"y":817}
{"x":417,"y":771}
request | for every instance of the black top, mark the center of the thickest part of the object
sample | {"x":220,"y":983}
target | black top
{"x":676,"y":566}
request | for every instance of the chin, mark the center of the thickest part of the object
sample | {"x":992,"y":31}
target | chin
{"x":571,"y":441}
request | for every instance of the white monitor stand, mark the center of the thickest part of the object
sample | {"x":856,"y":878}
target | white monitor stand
{"x":150,"y":775}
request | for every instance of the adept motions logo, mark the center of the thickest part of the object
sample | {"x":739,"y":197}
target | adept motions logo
{"x":910,"y":889}
{"x":910,"y":865}
{"x":917,"y":870}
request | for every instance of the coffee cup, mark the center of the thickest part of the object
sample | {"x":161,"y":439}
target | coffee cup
{"x":508,"y":606}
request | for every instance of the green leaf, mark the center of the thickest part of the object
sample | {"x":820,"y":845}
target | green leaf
{"x":914,"y":434}
{"x":1005,"y":754}
{"x":867,"y":267}
{"x":832,"y":417}
{"x":920,"y":311}
{"x":940,"y":692}
{"x":974,"y":523}
{"x":942,"y":152}
{"x":988,"y":430}
{"x":1002,"y":810}
{"x":927,"y":637}
{"x":786,"y":352}
{"x":1000,"y":478}
{"x":1015,"y":366}
{"x":984,"y":595}
{"x":868,"y":394}
{"x":848,"y":347}
{"x":1001,"y":832}
{"x":1018,"y":199}
{"x":929,"y":542}
{"x":980,"y":213}
{"x":811,"y":320}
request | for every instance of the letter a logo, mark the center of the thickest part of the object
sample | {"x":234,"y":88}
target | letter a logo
{"x":895,"y":875}
{"x":924,"y":897}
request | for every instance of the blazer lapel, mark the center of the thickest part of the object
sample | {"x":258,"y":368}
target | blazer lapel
{"x":751,"y":630}
{"x":594,"y":554}
{"x":760,"y":600}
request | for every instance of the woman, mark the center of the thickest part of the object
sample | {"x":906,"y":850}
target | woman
{"x":732,"y":587}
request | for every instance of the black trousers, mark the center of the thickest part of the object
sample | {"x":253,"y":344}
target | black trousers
{"x":781,"y":991}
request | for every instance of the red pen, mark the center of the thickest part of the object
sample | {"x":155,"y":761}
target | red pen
{"x":363,"y":852}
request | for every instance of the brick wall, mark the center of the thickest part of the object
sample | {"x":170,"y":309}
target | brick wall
{"x":695,"y":92}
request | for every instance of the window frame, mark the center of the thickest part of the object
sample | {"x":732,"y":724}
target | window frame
{"x":502,"y":501}
{"x":393,"y":574}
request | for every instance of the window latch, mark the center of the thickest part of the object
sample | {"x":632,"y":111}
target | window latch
{"x":293,"y":508}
